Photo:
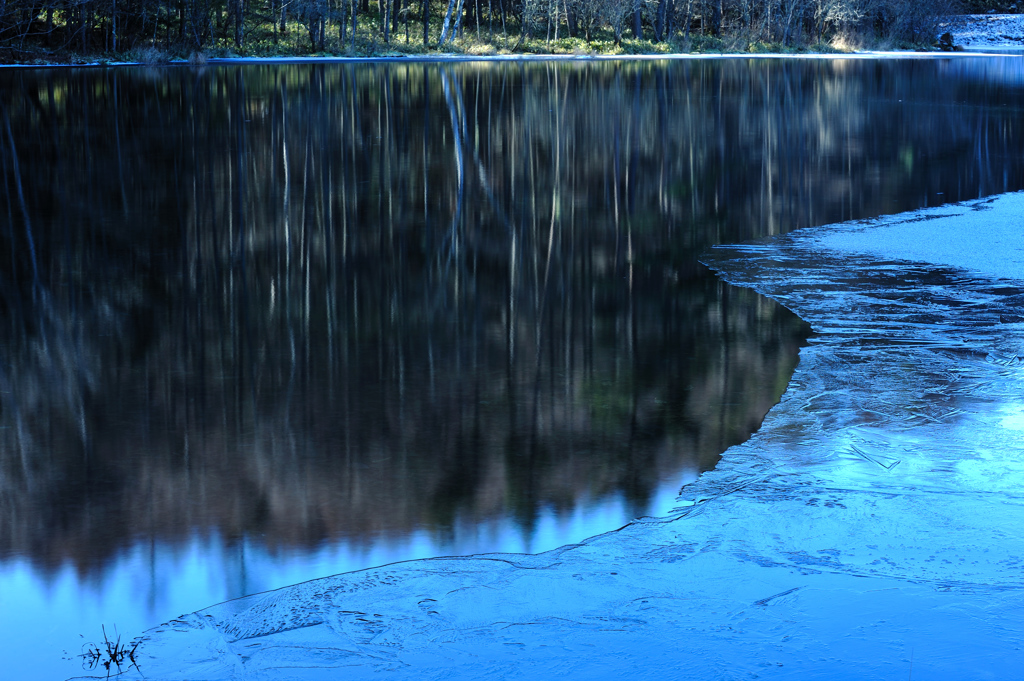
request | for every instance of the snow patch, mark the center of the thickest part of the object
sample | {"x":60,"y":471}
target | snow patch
{"x":980,"y":32}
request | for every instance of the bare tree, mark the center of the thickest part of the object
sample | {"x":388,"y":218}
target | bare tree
{"x":449,"y":29}
{"x":838,"y":15}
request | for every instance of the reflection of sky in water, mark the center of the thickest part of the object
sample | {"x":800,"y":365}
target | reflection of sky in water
{"x":153,"y":584}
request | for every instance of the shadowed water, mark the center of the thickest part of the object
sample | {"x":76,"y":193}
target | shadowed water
{"x":267,"y":323}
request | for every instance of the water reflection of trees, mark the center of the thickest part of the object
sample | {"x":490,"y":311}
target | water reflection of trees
{"x":313,"y":302}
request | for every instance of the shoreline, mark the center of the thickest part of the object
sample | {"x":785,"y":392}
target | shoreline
{"x":460,"y":58}
{"x":973,"y":35}
{"x":959,"y":35}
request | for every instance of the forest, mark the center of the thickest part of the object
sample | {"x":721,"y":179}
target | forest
{"x":159,"y":30}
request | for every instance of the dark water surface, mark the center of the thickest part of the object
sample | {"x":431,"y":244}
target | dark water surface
{"x":261,"y":324}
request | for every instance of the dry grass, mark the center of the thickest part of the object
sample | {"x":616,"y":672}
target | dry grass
{"x":847,"y":42}
{"x":111,"y":655}
{"x":481,"y":49}
{"x":149,"y":55}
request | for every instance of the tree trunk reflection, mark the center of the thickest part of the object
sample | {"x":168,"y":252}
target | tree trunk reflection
{"x":327,"y":303}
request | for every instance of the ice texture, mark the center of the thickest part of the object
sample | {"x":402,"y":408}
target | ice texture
{"x":873,"y":528}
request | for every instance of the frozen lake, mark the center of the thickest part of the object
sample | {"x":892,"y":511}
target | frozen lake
{"x":272,"y":323}
{"x":869,"y":529}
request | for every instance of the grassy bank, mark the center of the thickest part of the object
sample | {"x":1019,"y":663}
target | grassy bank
{"x":55,"y":38}
{"x":367,"y":44}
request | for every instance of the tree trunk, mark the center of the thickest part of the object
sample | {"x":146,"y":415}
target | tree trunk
{"x":659,"y":21}
{"x":447,"y":35}
{"x":113,"y":24}
{"x":457,"y":27}
{"x":86,"y":26}
{"x":342,"y":22}
{"x":638,"y":28}
{"x":239,"y":12}
{"x":425,"y":11}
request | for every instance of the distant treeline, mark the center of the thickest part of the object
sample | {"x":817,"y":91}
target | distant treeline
{"x":371,"y":26}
